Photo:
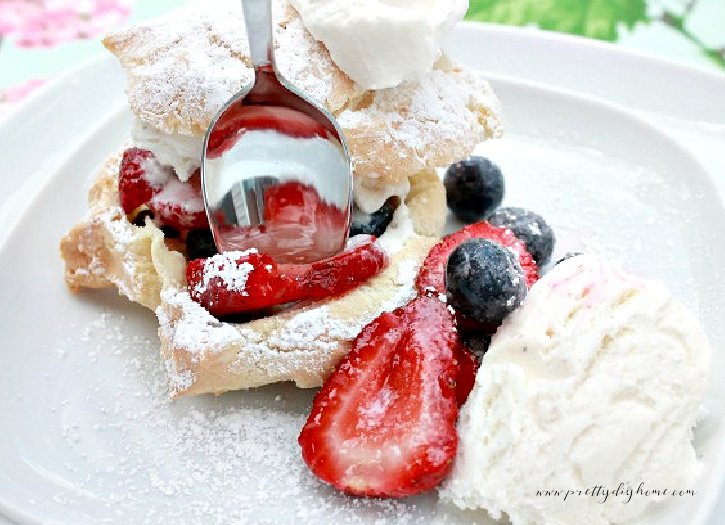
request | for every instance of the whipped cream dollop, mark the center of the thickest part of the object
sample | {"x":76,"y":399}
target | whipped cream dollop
{"x":381,"y":43}
{"x":181,"y":152}
{"x":595,"y":381}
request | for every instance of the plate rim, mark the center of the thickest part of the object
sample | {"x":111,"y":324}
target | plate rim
{"x":58,"y":82}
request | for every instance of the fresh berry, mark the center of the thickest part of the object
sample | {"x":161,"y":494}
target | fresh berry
{"x":141,"y":216}
{"x":170,"y":232}
{"x":484,"y":281}
{"x":239,"y":282}
{"x":468,"y":325}
{"x":530,"y":227}
{"x":568,"y":256}
{"x":383,"y":423}
{"x":200,"y":244}
{"x":243,"y":282}
{"x":180,"y":205}
{"x":477,"y":343}
{"x":134,"y":187}
{"x":374,"y":223}
{"x":432,"y":272}
{"x":474,"y":188}
{"x":468,"y":365}
{"x":346,"y":270}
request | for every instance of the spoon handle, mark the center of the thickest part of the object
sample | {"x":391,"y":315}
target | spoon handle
{"x":258,"y":19}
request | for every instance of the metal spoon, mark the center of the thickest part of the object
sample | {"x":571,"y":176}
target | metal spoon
{"x":276,"y":173}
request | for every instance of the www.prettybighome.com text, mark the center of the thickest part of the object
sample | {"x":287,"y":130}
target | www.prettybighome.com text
{"x":624,"y":491}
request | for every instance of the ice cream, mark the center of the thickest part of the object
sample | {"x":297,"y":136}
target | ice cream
{"x":381,"y":43}
{"x":594,"y":382}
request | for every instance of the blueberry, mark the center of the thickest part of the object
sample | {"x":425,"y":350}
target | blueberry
{"x":474,"y":188}
{"x":140,"y":218}
{"x":484,"y":281}
{"x":170,"y":232}
{"x":200,"y":244}
{"x":530,"y":228}
{"x":477,"y":343}
{"x":374,"y":223}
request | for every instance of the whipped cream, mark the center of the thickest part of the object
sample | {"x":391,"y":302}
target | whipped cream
{"x":398,"y":232}
{"x":181,"y":152}
{"x":381,"y":43}
{"x":594,"y":381}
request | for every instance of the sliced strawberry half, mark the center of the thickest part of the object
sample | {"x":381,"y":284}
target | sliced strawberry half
{"x":243,"y":282}
{"x":140,"y":177}
{"x":468,"y":365}
{"x":431,"y":277}
{"x":383,"y":423}
{"x":239,"y":282}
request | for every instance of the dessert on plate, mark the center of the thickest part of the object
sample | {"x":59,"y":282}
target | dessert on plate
{"x":564,"y":375}
{"x":181,"y":69}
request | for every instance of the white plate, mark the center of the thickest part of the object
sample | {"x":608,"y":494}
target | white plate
{"x":87,"y":433}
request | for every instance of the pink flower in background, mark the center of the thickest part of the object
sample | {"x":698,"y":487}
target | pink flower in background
{"x":45,"y":23}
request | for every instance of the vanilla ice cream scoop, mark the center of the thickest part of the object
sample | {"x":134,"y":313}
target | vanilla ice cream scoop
{"x":381,"y":43}
{"x":594,"y":382}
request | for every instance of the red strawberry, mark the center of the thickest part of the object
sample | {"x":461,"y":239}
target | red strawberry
{"x":346,"y":270}
{"x":432,"y":273}
{"x":467,"y":374}
{"x":239,"y":282}
{"x":135,"y":188}
{"x":383,"y":423}
{"x":268,"y":284}
{"x":180,"y":205}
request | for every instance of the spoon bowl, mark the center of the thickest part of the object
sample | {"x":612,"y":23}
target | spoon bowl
{"x":276,"y":173}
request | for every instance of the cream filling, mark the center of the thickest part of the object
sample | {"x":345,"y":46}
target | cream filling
{"x":181,"y":152}
{"x":398,"y":231}
{"x":370,"y":200}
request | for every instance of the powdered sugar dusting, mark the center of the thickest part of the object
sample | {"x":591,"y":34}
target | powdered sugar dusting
{"x":135,"y":457}
{"x":441,"y":115}
{"x":199,"y":328}
{"x":181,"y":195}
{"x":223,"y":267}
{"x":300,"y":345}
{"x":184,"y":66}
{"x":304,"y":62}
{"x":155,"y":174}
{"x":122,"y":234}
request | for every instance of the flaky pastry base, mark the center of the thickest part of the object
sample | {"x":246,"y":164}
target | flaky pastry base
{"x":204,"y":355}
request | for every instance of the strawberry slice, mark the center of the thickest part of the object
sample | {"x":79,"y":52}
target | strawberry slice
{"x":431,"y":277}
{"x":140,"y":177}
{"x":345,"y":271}
{"x":383,"y":423}
{"x":468,"y":365}
{"x":239,"y":282}
{"x":243,"y":282}
{"x":180,"y":205}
